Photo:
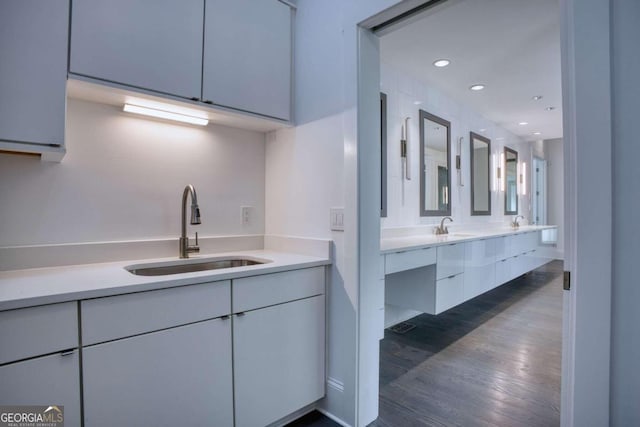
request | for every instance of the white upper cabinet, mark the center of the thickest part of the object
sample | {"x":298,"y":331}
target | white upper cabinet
{"x":33,"y":71}
{"x":148,"y":44}
{"x":247,"y":56}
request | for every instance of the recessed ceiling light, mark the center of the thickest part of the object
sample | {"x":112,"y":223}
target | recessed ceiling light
{"x":483,"y":130}
{"x":417,"y":102}
{"x":477,"y":87}
{"x":537,"y":133}
{"x":550,"y":108}
{"x":537,"y":97}
{"x":442,"y":63}
{"x":523,"y":123}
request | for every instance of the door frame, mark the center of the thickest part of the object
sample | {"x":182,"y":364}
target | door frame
{"x":586,"y":80}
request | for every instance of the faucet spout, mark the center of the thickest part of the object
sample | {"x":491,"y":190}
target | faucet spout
{"x":515,"y":223}
{"x":185,"y":249}
{"x":442,"y":229}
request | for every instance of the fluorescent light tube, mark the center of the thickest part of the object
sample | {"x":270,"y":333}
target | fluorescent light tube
{"x":163,"y":114}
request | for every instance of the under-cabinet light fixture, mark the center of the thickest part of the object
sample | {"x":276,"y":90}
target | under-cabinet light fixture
{"x":164,"y":114}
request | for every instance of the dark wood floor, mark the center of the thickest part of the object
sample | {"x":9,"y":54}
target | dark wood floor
{"x":492,"y":361}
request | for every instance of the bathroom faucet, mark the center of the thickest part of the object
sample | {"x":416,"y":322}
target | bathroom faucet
{"x":185,"y":249}
{"x":442,"y":229}
{"x":514,"y":223}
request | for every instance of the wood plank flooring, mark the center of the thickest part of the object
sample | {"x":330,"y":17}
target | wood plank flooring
{"x":492,"y":361}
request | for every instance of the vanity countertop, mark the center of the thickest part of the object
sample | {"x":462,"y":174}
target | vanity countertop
{"x":420,"y":241}
{"x":38,"y":286}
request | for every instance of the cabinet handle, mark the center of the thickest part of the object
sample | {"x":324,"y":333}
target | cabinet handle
{"x":242,"y":313}
{"x":195,"y":98}
{"x":67,"y":352}
{"x":208,"y":102}
{"x":225,"y":317}
{"x":451,"y":277}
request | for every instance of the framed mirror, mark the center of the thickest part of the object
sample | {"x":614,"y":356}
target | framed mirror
{"x":383,"y":155}
{"x":511,"y":181}
{"x":435,"y":165}
{"x":480,"y":147}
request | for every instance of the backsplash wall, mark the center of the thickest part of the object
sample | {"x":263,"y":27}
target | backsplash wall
{"x":123,"y":177}
{"x":403,"y":197}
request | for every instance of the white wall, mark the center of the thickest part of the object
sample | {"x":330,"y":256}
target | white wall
{"x":122,"y":179}
{"x":403,"y":197}
{"x":554,"y":154}
{"x":625,"y":338}
{"x":322,"y":153}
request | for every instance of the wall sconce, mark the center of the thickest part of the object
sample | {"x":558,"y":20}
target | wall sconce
{"x":166,"y":114}
{"x":501,"y":168}
{"x":523,"y":178}
{"x":459,"y":162}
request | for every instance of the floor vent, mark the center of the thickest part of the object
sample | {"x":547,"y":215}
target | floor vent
{"x":402,"y":328}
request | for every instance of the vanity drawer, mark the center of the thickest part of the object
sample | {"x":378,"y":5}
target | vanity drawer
{"x":408,"y":260}
{"x":449,"y":292}
{"x":450,"y":260}
{"x":109,"y":318}
{"x":35,"y":331}
{"x":254,"y":292}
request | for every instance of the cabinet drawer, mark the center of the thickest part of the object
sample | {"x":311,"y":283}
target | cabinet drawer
{"x":53,"y":379}
{"x":503,"y":247}
{"x":450,"y":260}
{"x":449,"y":293}
{"x":254,"y":292}
{"x":478,"y":253}
{"x":478,"y":280}
{"x":120,"y":316}
{"x":408,"y":260}
{"x":35,"y":331}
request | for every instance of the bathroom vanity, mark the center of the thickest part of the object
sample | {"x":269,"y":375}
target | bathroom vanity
{"x":432,"y":274}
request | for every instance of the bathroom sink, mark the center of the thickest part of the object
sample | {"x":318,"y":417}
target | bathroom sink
{"x":191,"y":265}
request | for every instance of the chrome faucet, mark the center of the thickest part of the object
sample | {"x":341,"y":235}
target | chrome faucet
{"x":515,"y":223}
{"x":185,"y":249}
{"x":442,"y":229}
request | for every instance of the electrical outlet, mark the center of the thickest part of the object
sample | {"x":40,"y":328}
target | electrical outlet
{"x":336,"y":219}
{"x":246,"y":214}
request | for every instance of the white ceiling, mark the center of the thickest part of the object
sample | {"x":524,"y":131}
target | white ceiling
{"x":510,"y":46}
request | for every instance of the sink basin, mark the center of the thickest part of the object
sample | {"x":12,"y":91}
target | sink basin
{"x":191,"y":265}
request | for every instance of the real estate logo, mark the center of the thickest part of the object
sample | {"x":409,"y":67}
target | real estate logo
{"x":32,"y":416}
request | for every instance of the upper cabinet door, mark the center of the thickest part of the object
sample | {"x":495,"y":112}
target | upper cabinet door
{"x":33,"y":70}
{"x":247,"y":56}
{"x":148,"y":44}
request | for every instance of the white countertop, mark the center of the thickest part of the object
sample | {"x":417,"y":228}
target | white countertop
{"x":38,"y":286}
{"x":420,"y":241}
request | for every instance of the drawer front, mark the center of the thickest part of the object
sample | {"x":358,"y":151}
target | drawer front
{"x":503,"y":247}
{"x":53,"y":379}
{"x":408,"y":260}
{"x":478,"y":253}
{"x":35,"y":331}
{"x":254,"y":292}
{"x":478,"y":280}
{"x":450,"y":260}
{"x":449,"y":293}
{"x":503,"y":271}
{"x":105,"y":319}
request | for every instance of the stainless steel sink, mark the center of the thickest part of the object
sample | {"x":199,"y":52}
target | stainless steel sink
{"x":164,"y":269}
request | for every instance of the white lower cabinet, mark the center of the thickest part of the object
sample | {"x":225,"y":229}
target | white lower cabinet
{"x":176,"y":376}
{"x":479,"y":267}
{"x":449,"y":292}
{"x":279,"y":364}
{"x":48,"y":381}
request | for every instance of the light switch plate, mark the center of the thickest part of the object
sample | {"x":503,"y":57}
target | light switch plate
{"x":246,"y":214}
{"x":336,"y":219}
